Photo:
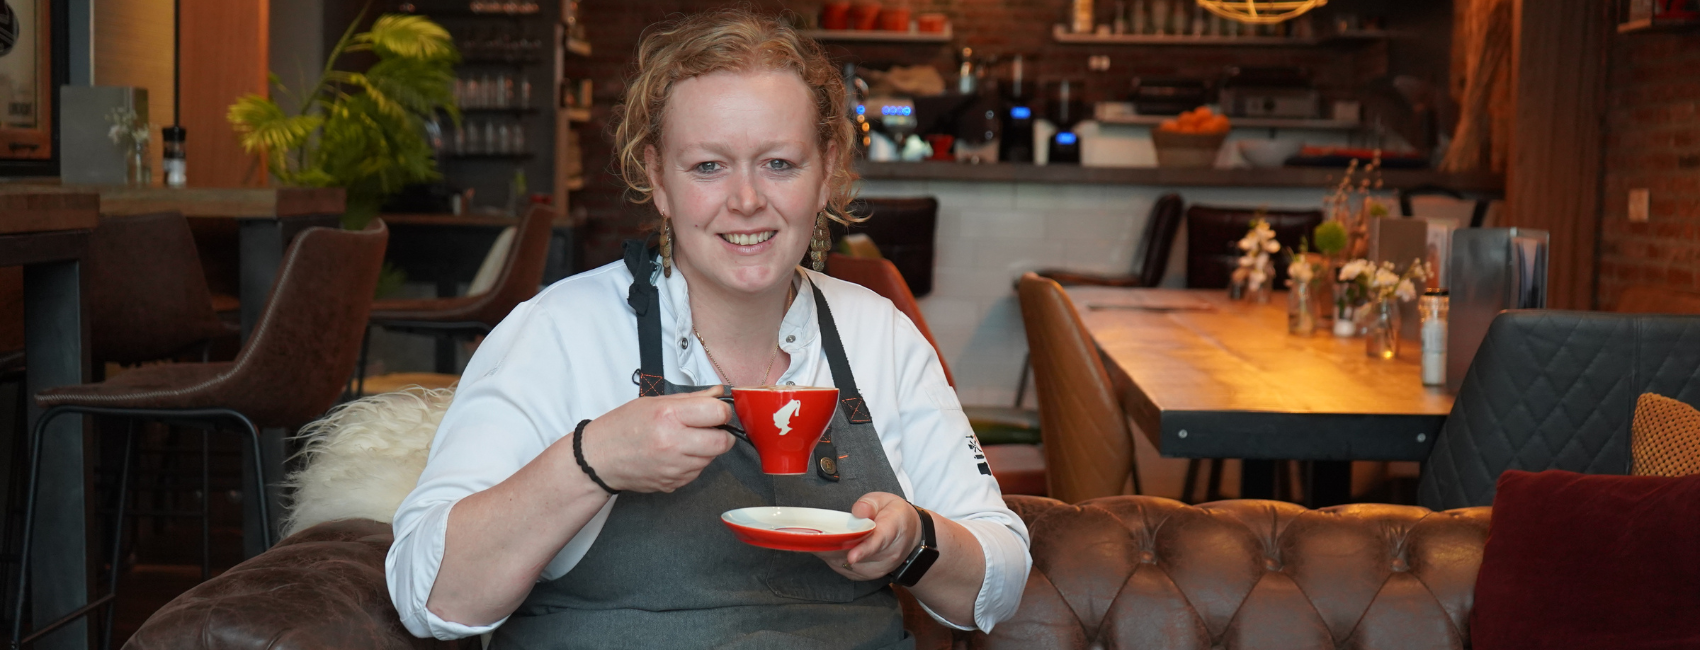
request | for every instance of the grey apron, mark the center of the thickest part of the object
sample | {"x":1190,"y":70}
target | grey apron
{"x":666,"y":573}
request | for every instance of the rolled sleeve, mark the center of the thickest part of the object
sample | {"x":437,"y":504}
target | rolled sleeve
{"x":412,"y":567}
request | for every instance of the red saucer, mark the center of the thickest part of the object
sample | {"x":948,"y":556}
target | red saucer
{"x":797,"y":529}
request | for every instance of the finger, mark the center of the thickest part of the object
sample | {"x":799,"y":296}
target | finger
{"x":705,"y":443}
{"x":702,"y":412}
{"x":711,"y":391}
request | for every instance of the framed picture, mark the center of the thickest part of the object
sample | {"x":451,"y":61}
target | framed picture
{"x":31,"y":69}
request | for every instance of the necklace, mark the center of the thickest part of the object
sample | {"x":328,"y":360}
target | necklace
{"x":723,"y":374}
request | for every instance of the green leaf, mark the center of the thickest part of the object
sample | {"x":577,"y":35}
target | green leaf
{"x":411,"y":37}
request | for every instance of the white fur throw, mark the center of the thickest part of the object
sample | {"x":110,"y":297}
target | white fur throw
{"x":363,"y":457}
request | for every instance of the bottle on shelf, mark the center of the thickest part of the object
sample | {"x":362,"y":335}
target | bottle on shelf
{"x":176,"y":165}
{"x":525,"y":92}
{"x":1160,"y":17}
{"x":518,"y":135}
{"x":490,"y":137}
{"x":1140,"y":24}
{"x":1178,"y":22}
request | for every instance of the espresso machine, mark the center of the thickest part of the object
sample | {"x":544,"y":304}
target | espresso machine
{"x":1066,"y":106}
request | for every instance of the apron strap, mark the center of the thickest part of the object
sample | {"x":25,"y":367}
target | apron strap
{"x":645,"y":301}
{"x":849,"y":398}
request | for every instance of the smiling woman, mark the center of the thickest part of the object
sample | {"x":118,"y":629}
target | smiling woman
{"x":558,"y":511}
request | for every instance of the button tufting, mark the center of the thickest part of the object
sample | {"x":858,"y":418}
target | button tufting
{"x":1147,"y":557}
{"x":1269,"y":564}
{"x":1400,"y":565}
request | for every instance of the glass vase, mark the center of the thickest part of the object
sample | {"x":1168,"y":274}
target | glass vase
{"x":141,"y":174}
{"x":1301,"y":309}
{"x":1381,"y":329}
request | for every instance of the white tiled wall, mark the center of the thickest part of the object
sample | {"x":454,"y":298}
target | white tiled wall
{"x":991,"y":233}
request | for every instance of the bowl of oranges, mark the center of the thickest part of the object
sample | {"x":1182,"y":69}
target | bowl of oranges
{"x":1190,"y":140}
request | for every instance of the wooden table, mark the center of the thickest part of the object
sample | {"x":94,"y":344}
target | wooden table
{"x":47,"y":234}
{"x":1205,"y":377}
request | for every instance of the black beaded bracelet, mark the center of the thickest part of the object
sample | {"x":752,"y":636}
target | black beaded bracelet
{"x":578,"y":455}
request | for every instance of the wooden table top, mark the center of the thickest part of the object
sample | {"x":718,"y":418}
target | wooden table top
{"x":23,"y":211}
{"x":1183,"y":356}
{"x":473,"y":220}
{"x":241,"y":203}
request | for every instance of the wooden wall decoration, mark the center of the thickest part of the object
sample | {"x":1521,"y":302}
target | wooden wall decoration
{"x":1559,"y":63}
{"x":28,"y":79}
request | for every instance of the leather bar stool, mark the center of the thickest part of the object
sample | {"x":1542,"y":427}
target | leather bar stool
{"x":1154,"y":247}
{"x":289,"y":372}
{"x":472,"y":315}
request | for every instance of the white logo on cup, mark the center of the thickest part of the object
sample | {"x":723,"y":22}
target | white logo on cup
{"x":782,"y":418}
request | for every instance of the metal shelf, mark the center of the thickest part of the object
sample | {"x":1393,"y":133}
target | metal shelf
{"x":877,"y":36}
{"x":1062,"y":35}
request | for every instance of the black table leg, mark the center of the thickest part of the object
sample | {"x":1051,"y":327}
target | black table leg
{"x":1329,"y":483}
{"x":54,"y":337}
{"x":1257,"y":479}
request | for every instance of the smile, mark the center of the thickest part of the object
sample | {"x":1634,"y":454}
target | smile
{"x":748,"y":239}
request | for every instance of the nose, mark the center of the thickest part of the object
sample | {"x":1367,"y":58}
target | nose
{"x":745,"y":199}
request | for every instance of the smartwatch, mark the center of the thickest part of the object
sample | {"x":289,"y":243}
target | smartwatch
{"x":922,"y":558}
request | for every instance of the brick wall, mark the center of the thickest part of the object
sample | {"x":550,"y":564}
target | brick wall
{"x":1652,"y":142}
{"x":991,"y":27}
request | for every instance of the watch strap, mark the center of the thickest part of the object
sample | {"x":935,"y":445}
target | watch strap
{"x":921,"y":559}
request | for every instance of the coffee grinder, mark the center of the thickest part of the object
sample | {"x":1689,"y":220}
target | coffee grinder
{"x":1016,"y":116}
{"x":1066,"y":107}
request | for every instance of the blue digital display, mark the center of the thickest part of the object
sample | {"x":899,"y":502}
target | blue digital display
{"x":1021,"y":112}
{"x":1065,"y":137}
{"x":896,"y":110}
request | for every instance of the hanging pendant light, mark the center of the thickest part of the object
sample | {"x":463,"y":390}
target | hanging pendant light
{"x":1260,"y":11}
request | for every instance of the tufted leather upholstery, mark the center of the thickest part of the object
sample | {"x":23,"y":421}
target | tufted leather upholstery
{"x":1155,"y":244}
{"x":1088,"y":446}
{"x":1113,"y":573}
{"x":1556,"y":390}
{"x":1212,"y":232}
{"x":1146,"y":572}
{"x":321,"y":588}
{"x":520,"y":277}
{"x":295,"y":364}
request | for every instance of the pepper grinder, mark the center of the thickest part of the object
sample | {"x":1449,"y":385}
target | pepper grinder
{"x":176,"y":166}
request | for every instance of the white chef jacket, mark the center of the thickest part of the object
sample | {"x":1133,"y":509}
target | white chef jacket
{"x":569,"y":354}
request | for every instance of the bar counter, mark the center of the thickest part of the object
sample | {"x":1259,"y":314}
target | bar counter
{"x":1318,"y":177}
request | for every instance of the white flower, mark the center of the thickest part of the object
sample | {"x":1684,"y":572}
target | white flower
{"x":1406,"y":290}
{"x":1384,"y":277}
{"x":1301,"y":271}
{"x":1351,"y":270}
{"x":1257,"y":278}
{"x":1271,"y":245}
{"x":1248,"y":243}
{"x":1246,"y":261}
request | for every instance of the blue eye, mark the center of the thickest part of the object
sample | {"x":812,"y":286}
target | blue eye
{"x":778,"y":165}
{"x":706,"y":167}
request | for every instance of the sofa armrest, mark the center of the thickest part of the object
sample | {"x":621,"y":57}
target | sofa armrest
{"x":322,"y":588}
{"x":1147,"y":572}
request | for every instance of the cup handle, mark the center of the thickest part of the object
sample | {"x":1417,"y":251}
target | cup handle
{"x":733,"y":429}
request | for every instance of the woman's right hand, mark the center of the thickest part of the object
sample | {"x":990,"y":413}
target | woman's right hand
{"x":658,"y":444}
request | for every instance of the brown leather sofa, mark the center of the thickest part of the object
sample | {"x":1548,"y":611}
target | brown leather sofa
{"x":1110,"y":573}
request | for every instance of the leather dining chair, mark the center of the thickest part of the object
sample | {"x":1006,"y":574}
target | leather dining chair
{"x":469,"y":316}
{"x":906,"y":229}
{"x":1089,"y":449}
{"x":1154,"y":247}
{"x":1552,"y":389}
{"x":290,"y":371}
{"x":1018,"y":467}
{"x":1211,"y":233}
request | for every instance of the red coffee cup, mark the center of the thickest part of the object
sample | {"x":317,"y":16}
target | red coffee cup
{"x":784,"y":423}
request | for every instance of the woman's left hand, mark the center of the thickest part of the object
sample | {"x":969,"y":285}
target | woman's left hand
{"x":897,"y":531}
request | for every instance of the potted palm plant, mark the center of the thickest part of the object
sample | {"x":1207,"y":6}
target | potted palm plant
{"x":364,"y":132}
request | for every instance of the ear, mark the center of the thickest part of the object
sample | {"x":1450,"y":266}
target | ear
{"x":652,"y":167}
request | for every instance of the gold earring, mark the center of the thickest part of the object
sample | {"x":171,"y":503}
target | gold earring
{"x":821,"y":242}
{"x":666,"y":246}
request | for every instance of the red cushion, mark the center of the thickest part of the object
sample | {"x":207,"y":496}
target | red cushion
{"x":1590,"y":561}
{"x":1019,"y":469}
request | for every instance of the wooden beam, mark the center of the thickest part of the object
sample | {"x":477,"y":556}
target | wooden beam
{"x":1553,"y":183}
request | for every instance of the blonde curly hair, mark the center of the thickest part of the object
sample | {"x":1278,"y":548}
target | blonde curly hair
{"x":731,"y":40}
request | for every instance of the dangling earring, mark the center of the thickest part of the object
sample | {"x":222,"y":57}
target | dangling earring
{"x":821,"y":242}
{"x":666,"y":246}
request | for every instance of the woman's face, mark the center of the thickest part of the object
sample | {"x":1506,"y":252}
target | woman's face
{"x":741,"y":176}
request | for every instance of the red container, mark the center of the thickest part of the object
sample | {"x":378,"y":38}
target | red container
{"x":864,"y":15}
{"x":941,"y":146}
{"x":931,"y":23}
{"x":835,"y":15}
{"x":784,"y":423}
{"x":894,"y":20}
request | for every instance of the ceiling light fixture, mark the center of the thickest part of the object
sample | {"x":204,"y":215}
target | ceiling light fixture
{"x":1261,"y":12}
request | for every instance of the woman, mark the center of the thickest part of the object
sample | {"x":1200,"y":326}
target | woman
{"x":559,"y":511}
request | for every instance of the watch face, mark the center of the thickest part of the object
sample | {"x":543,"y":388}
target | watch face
{"x":924,"y":559}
